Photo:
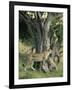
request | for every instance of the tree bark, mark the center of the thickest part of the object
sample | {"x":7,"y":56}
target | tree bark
{"x":46,"y":37}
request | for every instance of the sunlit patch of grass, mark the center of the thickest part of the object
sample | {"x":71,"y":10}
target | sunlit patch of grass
{"x":39,"y":74}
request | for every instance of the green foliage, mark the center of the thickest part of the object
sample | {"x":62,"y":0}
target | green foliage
{"x":57,"y":29}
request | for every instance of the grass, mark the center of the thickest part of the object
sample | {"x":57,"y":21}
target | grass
{"x":35,"y":74}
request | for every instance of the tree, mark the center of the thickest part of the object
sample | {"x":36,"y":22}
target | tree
{"x":45,"y":29}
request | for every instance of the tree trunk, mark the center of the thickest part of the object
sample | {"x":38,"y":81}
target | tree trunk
{"x":38,"y":33}
{"x":46,"y":36}
{"x":38,"y":39}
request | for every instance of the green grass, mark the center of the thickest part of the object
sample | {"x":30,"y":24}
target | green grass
{"x":35,"y":74}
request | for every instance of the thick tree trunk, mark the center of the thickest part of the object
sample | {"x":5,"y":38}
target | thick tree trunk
{"x":38,"y":39}
{"x":41,"y":32}
{"x":38,"y":33}
{"x":46,"y":37}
